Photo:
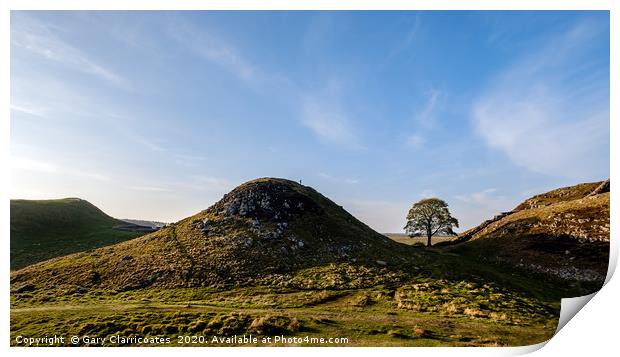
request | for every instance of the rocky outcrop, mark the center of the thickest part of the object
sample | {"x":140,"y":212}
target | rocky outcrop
{"x":559,"y":195}
{"x":602,"y":188}
{"x":563,"y":234}
{"x":470,"y":233}
{"x":271,"y":200}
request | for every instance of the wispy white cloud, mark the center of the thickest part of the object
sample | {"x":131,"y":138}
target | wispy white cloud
{"x":34,"y":36}
{"x":481,"y":197}
{"x":346,"y":180}
{"x":473,"y":208}
{"x":148,"y":143}
{"x":426,"y":116}
{"x":427,"y":194}
{"x":189,"y":160}
{"x":195,"y":183}
{"x":122,"y":124}
{"x":425,"y":119}
{"x":51,"y":98}
{"x":416,"y":140}
{"x":29,"y":109}
{"x":329,"y":122}
{"x":405,"y":43}
{"x":209,"y":183}
{"x":21,"y":163}
{"x":321,"y":111}
{"x":149,"y":188}
{"x":546,"y":118}
{"x":27,"y":164}
{"x":214,"y":49}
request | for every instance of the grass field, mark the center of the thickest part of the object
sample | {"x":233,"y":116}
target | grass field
{"x":389,"y":308}
{"x":364,"y":317}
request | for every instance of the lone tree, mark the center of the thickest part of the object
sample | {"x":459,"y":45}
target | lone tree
{"x":428,"y":217}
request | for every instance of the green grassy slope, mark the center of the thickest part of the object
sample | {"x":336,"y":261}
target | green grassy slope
{"x":562,"y":234}
{"x":44,"y":229}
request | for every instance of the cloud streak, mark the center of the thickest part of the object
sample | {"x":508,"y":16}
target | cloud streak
{"x":214,"y":50}
{"x":33,"y":36}
{"x":346,"y":180}
{"x":406,"y":42}
{"x":27,"y":164}
{"x":329,"y":123}
{"x":529,"y":113}
{"x":426,"y":116}
{"x":148,"y":188}
{"x":472,"y":208}
{"x":321,"y":111}
{"x":29,"y":109}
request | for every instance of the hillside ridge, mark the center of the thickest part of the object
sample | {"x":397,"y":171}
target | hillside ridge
{"x":556,"y":196}
{"x":265,"y":227}
{"x":563,"y":233}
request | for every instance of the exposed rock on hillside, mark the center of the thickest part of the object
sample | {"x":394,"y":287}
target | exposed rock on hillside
{"x":602,"y":188}
{"x":563,"y":194}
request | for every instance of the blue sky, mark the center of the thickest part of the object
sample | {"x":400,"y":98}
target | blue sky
{"x":156,"y":115}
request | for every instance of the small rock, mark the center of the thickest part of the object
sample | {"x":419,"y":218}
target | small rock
{"x":381,"y":262}
{"x":419,"y":331}
{"x":23,"y":289}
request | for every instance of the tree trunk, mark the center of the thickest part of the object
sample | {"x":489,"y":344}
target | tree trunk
{"x":428,"y":243}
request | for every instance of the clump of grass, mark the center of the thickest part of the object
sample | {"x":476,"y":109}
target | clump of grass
{"x":474,"y":300}
{"x":397,"y":334}
{"x":344,"y":276}
{"x":362,"y":300}
{"x":274,"y":324}
{"x":229,"y":324}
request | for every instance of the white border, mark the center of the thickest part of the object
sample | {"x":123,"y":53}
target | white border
{"x":592,"y":331}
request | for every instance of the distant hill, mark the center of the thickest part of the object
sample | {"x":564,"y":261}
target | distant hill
{"x":44,"y":229}
{"x":563,"y":234}
{"x":260,"y":230}
{"x":144,"y":223}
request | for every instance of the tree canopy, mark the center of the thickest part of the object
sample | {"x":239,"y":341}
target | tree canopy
{"x":430,"y":217}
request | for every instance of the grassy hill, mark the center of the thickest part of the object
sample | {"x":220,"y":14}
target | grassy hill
{"x":44,"y":229}
{"x":273,"y":258}
{"x":562,"y":234}
{"x":264,"y":227}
